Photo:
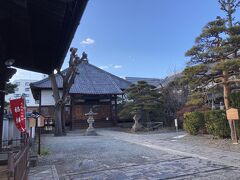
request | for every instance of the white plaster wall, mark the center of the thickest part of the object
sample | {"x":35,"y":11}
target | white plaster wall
{"x":47,"y":98}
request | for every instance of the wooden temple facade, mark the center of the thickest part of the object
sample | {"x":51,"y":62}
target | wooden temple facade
{"x":93,"y":88}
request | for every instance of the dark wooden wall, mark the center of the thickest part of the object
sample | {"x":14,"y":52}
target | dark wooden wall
{"x":48,"y":111}
{"x":102,"y":119}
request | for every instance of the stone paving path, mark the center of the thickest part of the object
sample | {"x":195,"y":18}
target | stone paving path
{"x":119,"y":155}
{"x":170,"y":143}
{"x":48,"y":172}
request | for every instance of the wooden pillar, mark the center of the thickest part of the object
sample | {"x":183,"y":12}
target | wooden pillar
{"x":2,"y":100}
{"x":115,"y":104}
{"x":40,"y":103}
{"x":111,"y":109}
{"x":2,"y":85}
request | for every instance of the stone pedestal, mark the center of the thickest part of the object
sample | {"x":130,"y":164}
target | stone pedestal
{"x":136,"y":126}
{"x":90,"y":130}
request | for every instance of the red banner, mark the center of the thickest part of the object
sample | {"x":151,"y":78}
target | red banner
{"x":18,"y":112}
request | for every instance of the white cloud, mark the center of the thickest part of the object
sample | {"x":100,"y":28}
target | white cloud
{"x":110,"y":66}
{"x":23,"y":74}
{"x":88,"y":41}
{"x":103,"y":67}
{"x":117,"y":66}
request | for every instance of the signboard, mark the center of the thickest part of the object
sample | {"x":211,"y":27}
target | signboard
{"x":232,"y":114}
{"x":40,"y":121}
{"x":18,"y":112}
{"x":32,"y":122}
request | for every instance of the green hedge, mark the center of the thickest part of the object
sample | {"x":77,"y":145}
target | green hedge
{"x":193,"y":122}
{"x":216,"y":123}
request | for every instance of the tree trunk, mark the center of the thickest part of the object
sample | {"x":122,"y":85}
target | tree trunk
{"x":63,"y":119}
{"x":226,"y":94}
{"x":226,"y":91}
{"x":58,"y":107}
{"x":67,"y":81}
{"x":226,"y":86}
{"x":58,"y":120}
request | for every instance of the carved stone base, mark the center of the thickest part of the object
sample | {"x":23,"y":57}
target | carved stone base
{"x":90,"y":132}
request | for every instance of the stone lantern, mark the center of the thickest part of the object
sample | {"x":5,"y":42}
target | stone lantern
{"x":90,"y":130}
{"x":137,"y":125}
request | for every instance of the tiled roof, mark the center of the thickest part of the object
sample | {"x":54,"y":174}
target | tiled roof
{"x":169,"y":79}
{"x":158,"y":83}
{"x":152,"y":81}
{"x":90,"y":80}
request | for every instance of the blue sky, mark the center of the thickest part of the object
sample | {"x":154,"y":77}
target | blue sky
{"x":144,"y":38}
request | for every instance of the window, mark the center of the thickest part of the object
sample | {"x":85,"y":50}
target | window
{"x":25,"y":95}
{"x":27,"y":101}
{"x":27,"y":83}
{"x":17,"y":95}
{"x":27,"y":89}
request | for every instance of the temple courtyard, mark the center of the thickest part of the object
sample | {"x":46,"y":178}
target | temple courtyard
{"x":115,"y":154}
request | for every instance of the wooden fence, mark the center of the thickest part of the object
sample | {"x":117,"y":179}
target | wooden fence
{"x":18,"y":164}
{"x":14,"y":161}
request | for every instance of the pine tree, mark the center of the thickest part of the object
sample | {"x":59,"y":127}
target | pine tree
{"x":10,"y":88}
{"x":142,"y":98}
{"x":214,"y":59}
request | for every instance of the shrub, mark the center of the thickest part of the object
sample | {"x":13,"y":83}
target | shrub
{"x":217,"y":124}
{"x":235,"y":100}
{"x":180,"y":114}
{"x":193,"y":122}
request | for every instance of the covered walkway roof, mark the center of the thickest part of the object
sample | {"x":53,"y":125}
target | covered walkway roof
{"x":38,"y":33}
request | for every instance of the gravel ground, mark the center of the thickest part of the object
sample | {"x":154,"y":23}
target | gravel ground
{"x":119,"y":155}
{"x":210,"y":141}
{"x":199,"y":140}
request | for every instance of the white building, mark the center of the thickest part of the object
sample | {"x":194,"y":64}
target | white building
{"x":23,"y":88}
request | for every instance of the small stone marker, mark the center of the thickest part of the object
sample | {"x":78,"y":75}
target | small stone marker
{"x":176,"y":124}
{"x":232,"y":114}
